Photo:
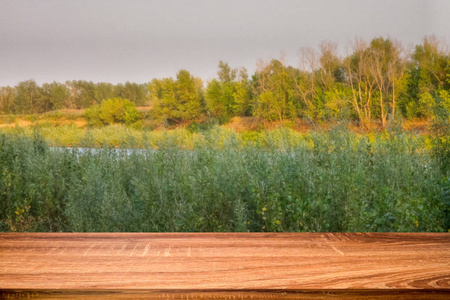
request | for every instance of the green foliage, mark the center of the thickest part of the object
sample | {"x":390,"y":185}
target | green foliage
{"x":56,"y":95}
{"x":136,"y":93}
{"x":441,"y":151}
{"x":378,"y":82}
{"x":82,"y":93}
{"x":32,"y":185}
{"x":227,"y":97}
{"x":275,"y":92}
{"x":441,"y":132}
{"x":112,"y":111}
{"x":103,"y":91}
{"x":215,"y":104}
{"x":429,"y":71}
{"x":7,"y":99}
{"x":177,"y":101}
{"x":28,"y":96}
{"x":337,"y":105}
{"x":222,"y":181}
{"x":196,"y":127}
{"x":268,"y":107}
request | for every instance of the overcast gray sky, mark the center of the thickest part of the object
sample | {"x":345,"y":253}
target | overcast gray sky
{"x":118,"y":41}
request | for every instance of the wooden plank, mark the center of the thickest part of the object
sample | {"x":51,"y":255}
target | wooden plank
{"x":230,"y":294}
{"x":244,"y":264}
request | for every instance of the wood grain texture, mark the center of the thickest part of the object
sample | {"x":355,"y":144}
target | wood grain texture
{"x":197,"y":263}
{"x":229,"y":294}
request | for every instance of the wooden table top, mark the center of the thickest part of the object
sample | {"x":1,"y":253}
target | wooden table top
{"x":243,"y":263}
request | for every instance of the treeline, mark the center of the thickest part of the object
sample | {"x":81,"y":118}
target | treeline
{"x":378,"y":82}
{"x":28,"y":97}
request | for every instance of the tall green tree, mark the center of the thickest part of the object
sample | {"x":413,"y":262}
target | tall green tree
{"x":388,"y":68}
{"x":55,"y":95}
{"x":307,"y":85}
{"x":274,"y":89}
{"x":7,"y":99}
{"x":217,"y":104}
{"x":228,"y":95}
{"x":242,"y":94}
{"x":82,"y":93}
{"x":177,"y":101}
{"x":136,"y":93}
{"x":361,"y":81}
{"x":103,"y":91}
{"x":429,"y":71}
{"x":333,"y":94}
{"x":28,"y":97}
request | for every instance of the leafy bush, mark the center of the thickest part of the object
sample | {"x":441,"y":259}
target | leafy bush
{"x":113,"y":111}
{"x":324,"y":181}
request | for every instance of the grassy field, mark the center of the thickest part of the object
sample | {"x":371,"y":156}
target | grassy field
{"x":219,"y":180}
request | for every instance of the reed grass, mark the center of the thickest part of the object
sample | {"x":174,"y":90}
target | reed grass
{"x":218,"y":180}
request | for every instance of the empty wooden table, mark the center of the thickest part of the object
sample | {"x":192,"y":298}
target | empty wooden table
{"x":223,"y":265}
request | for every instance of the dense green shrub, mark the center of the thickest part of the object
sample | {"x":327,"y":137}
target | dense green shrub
{"x":325,"y":181}
{"x":113,"y":111}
